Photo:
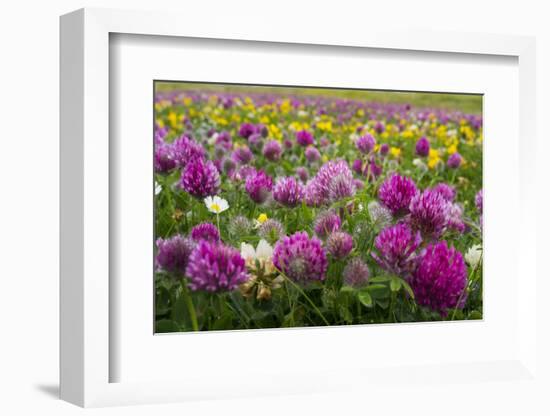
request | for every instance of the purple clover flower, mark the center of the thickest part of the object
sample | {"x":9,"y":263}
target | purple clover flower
{"x":173,"y":254}
{"x":396,"y":246}
{"x":446,"y":191}
{"x":384,"y":149}
{"x":246,"y":130}
{"x":396,"y":194}
{"x":164,"y":157}
{"x":301,"y":258}
{"x":258,"y":185}
{"x":288,"y":192}
{"x":454,"y":220}
{"x":224,"y":141}
{"x":187,"y":150}
{"x":339,"y":244}
{"x":479,"y":201}
{"x":205,"y":231}
{"x":302,"y":173}
{"x":304,"y":138}
{"x":312,"y":154}
{"x":429,"y":214}
{"x":356,"y":273}
{"x":272,"y":150}
{"x":334,"y":181}
{"x":271,"y":230}
{"x":215,"y":267}
{"x":439,"y":281}
{"x":200,"y":179}
{"x":242,"y":155}
{"x":326,"y":223}
{"x":365,"y":143}
{"x":357,"y":166}
{"x":423,"y":147}
{"x":454,"y":161}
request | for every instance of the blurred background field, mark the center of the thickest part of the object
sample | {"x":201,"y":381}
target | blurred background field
{"x":467,"y":103}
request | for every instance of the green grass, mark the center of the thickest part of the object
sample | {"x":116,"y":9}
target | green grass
{"x":468,"y":103}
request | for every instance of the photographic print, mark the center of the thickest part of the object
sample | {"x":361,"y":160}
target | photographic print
{"x":280,"y":207}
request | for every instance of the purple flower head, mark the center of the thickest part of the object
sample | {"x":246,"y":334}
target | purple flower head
{"x":339,"y":244}
{"x":359,"y":184}
{"x":384,"y":149}
{"x":357,"y":166}
{"x":423,"y":147}
{"x":454,"y":220}
{"x":272,"y":150}
{"x":164,"y":157}
{"x":255,"y":140}
{"x":479,"y":201}
{"x":445,"y":190}
{"x":365,"y":143}
{"x":200,"y":178}
{"x":334,"y":181}
{"x":239,"y":226}
{"x":326,"y":222}
{"x":439,"y":281}
{"x":224,"y":141}
{"x":454,"y":161}
{"x":429,"y":214}
{"x":287,"y":143}
{"x":356,"y":273}
{"x":258,"y":185}
{"x":187,"y":150}
{"x":246,"y":130}
{"x":379,"y":214}
{"x":304,"y":138}
{"x":302,"y":173}
{"x":288,"y":192}
{"x":228,"y":166}
{"x":173,"y":254}
{"x":396,"y":194}
{"x":271,"y":230}
{"x":205,"y":231}
{"x":301,"y":258}
{"x":242,"y":155}
{"x":313,"y":193}
{"x":215,"y":267}
{"x":379,"y":127}
{"x":312,"y":154}
{"x":372,"y":170}
{"x":244,"y":172}
{"x":396,"y":246}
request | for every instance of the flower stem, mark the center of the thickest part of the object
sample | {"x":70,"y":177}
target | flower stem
{"x":190,"y":307}
{"x":307,"y":298}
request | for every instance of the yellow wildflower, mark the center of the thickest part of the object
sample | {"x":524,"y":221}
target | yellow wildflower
{"x":395,"y":151}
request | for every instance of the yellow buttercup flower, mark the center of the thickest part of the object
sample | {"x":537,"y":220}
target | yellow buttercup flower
{"x":433,"y":158}
{"x":262,"y":218}
{"x":395,"y":151}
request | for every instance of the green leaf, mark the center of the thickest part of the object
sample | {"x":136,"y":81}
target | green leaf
{"x":347,"y":289}
{"x":166,"y":325}
{"x":365,"y":298}
{"x":475,"y":315}
{"x":395,"y":284}
{"x":407,"y":288}
{"x":380,"y":279}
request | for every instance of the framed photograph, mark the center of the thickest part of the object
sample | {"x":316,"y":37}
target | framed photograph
{"x":319,"y":214}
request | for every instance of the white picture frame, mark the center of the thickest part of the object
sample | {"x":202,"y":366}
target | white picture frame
{"x":85,"y":220}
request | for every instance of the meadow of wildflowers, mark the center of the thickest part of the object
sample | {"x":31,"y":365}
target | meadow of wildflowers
{"x":292,"y":208}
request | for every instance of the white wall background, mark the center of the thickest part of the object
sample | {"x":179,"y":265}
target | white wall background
{"x":29,"y":116}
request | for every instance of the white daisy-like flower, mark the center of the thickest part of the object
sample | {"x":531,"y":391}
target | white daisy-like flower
{"x":158,"y":188}
{"x":473,"y":255}
{"x":216,"y":204}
